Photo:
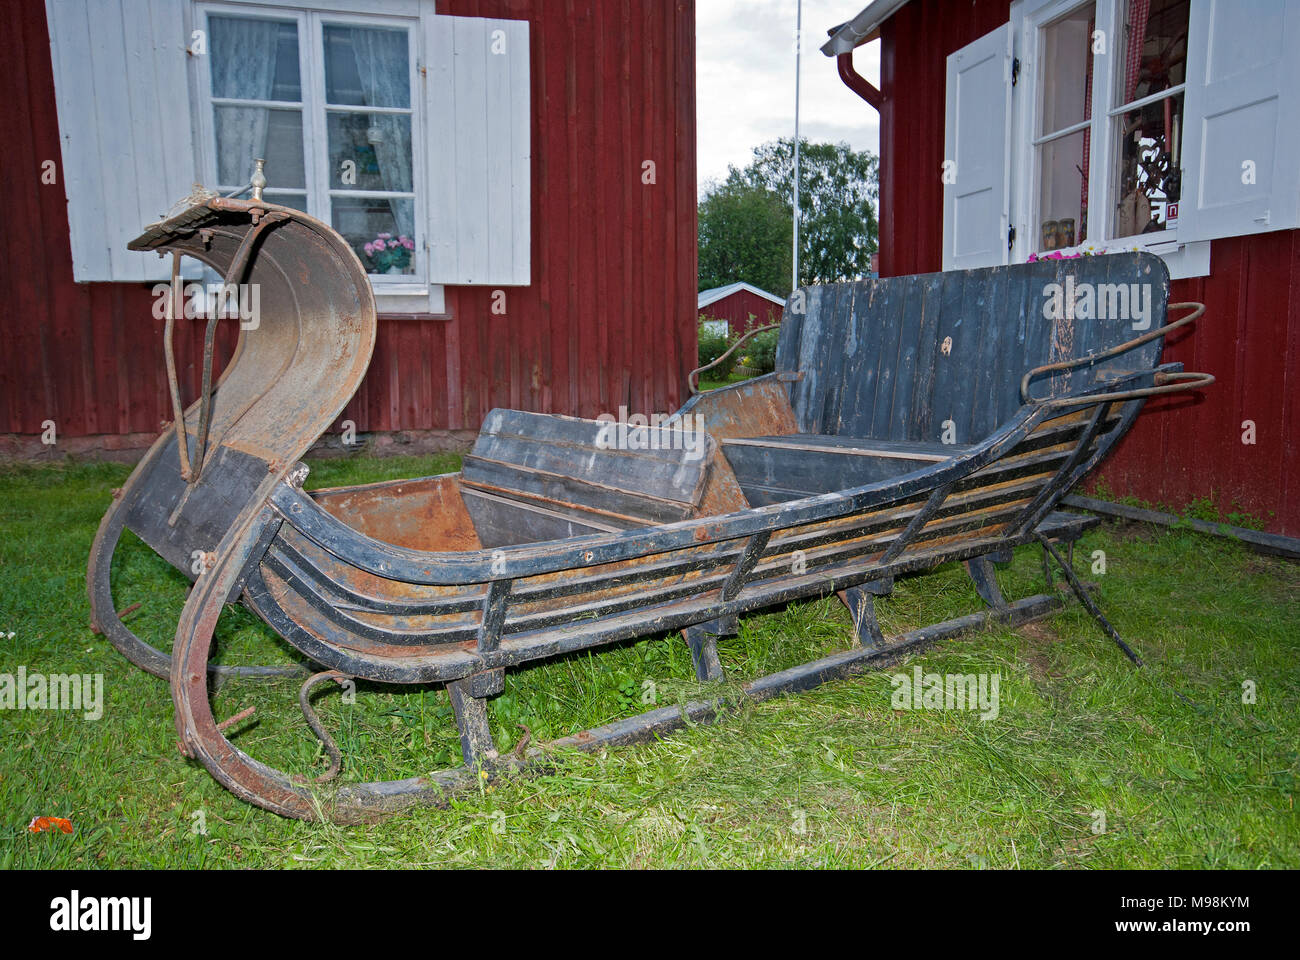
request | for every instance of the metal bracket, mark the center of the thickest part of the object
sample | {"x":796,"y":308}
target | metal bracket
{"x":469,"y":704}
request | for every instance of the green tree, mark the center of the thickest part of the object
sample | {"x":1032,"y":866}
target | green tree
{"x":745,"y":235}
{"x":839,"y":190}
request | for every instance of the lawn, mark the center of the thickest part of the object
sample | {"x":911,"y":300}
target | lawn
{"x":1090,"y":762}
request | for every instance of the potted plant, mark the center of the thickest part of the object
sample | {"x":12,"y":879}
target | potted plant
{"x":389,"y":254}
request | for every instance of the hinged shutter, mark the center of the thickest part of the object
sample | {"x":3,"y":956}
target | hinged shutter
{"x":977,"y":153}
{"x":477,"y":93}
{"x":1243,"y":119}
{"x":121,"y":89}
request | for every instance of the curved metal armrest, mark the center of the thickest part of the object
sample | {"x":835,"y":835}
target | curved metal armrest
{"x":1165,"y":383}
{"x":1196,"y":308}
{"x":692,"y":379}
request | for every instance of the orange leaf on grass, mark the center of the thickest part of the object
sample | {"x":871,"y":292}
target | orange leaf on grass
{"x":41,"y":824}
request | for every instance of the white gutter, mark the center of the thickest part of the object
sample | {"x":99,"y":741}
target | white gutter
{"x":847,"y":36}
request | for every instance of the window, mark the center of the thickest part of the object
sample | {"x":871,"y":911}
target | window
{"x":1130,"y":55}
{"x":379,"y":117}
{"x":1064,"y":130}
{"x":1147,"y":119}
{"x":1115,"y":124}
{"x":326,"y":100}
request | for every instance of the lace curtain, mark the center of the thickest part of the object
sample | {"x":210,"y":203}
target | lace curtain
{"x":382,"y":63}
{"x":244,"y":55}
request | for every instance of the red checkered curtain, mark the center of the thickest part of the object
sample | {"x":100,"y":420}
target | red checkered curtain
{"x":1138,"y":11}
{"x":1087,"y":139}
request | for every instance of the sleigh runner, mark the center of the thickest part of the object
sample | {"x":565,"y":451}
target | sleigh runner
{"x":829,"y":475}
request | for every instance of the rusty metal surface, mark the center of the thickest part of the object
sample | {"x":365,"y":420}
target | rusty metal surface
{"x":423,"y":514}
{"x":291,"y":375}
{"x":754,"y":408}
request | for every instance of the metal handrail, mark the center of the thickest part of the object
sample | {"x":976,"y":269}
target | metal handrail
{"x":1196,"y":308}
{"x":1165,"y":383}
{"x":692,"y":379}
{"x":175,"y":310}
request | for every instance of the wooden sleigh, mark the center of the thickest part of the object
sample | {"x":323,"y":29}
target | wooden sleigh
{"x":561,"y":535}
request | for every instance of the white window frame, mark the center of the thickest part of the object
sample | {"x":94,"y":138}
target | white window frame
{"x":1029,"y":19}
{"x":410,"y":293}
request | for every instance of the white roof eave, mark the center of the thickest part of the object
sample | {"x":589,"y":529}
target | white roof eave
{"x":849,"y":35}
{"x":708,"y":297}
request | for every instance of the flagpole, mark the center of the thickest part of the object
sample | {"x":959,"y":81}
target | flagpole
{"x":798,"y":54}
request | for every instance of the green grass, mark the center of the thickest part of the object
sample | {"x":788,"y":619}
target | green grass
{"x":832,"y":778}
{"x":711,"y":383}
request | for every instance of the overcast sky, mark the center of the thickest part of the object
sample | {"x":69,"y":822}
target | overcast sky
{"x":745,"y":76}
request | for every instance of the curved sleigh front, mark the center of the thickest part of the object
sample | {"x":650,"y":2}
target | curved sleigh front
{"x":299,"y":358}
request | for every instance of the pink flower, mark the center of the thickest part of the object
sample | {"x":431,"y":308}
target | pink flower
{"x":1033,"y":258}
{"x":370,"y":249}
{"x":406,"y":242}
{"x":393,"y":244}
{"x":384,"y":236}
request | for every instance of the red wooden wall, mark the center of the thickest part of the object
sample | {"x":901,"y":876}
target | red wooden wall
{"x":736,"y":310}
{"x":915,"y":43}
{"x":1181,"y":449}
{"x":608,"y":320}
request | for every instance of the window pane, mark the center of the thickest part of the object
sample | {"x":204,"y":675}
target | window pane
{"x":1062,"y":203}
{"x":370,"y":151}
{"x":254,"y":59}
{"x":362,"y":220}
{"x":1148,"y":178}
{"x":1148,"y":152}
{"x":296,"y":200}
{"x":366,"y":67}
{"x":247,"y":132}
{"x":1067,"y":74}
{"x":1153,"y":55}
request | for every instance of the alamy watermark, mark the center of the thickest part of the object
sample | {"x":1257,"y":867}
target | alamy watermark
{"x":225,"y":301}
{"x":1098,"y":301}
{"x":75,"y":913}
{"x":949,"y":691}
{"x":55,"y":691}
{"x":655,"y":432}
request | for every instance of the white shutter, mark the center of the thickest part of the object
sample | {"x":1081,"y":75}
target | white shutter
{"x":1242,"y":119}
{"x":477,"y":94}
{"x":977,"y":153}
{"x":121,"y":88}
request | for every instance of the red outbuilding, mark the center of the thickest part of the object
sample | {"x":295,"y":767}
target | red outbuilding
{"x":1054,"y":127}
{"x":741,"y":306}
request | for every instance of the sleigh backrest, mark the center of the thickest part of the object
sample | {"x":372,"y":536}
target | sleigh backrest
{"x":894,"y":359}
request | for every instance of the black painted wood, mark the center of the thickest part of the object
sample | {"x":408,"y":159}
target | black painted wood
{"x":535,"y":477}
{"x":175,"y":518}
{"x":702,"y":639}
{"x":895,"y":358}
{"x":775,"y":469}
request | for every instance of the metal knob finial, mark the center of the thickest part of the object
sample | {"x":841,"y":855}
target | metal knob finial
{"x":258,"y":181}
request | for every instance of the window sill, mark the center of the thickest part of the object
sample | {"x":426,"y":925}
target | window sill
{"x":409,"y":298}
{"x":1184,"y":260}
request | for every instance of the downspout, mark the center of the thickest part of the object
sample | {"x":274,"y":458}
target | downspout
{"x":857,"y":82}
{"x":870,"y":93}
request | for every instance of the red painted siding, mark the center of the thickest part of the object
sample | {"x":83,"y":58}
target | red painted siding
{"x":739,"y":307}
{"x":1181,"y":449}
{"x":608,"y":320}
{"x":915,"y":44}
